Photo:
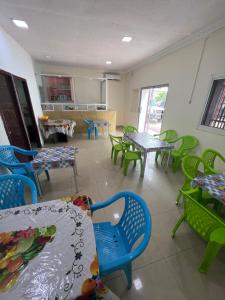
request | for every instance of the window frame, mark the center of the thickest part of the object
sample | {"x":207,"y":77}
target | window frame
{"x":206,"y":128}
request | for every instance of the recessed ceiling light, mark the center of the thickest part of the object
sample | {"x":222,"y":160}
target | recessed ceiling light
{"x":127,"y":39}
{"x":20,"y":23}
{"x":108,"y":62}
{"x":48,"y":56}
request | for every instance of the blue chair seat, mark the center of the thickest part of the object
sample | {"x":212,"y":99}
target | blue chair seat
{"x":116,"y":244}
{"x":109,"y":242}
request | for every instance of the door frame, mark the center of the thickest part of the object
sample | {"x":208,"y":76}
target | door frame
{"x":149,"y":87}
{"x":27,"y":94}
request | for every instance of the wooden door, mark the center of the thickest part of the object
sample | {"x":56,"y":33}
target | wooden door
{"x":26,"y":107}
{"x":11,"y":114}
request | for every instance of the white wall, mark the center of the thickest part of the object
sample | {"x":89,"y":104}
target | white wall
{"x":115,"y":89}
{"x":179,"y":71}
{"x":14,"y":59}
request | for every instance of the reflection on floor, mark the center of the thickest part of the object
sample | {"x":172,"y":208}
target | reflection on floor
{"x":168,"y":268}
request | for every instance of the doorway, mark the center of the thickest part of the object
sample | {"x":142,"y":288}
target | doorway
{"x":151,"y":109}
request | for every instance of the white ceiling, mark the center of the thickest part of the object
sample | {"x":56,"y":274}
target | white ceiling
{"x":88,"y":32}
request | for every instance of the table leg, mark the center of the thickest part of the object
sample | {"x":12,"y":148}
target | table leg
{"x":40,"y":191}
{"x":168,"y":160}
{"x":144,"y":164}
{"x":75,"y":178}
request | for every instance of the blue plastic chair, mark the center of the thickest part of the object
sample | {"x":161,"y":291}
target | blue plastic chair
{"x":12,"y":190}
{"x":9,"y":160}
{"x":91,"y":128}
{"x":115,"y":242}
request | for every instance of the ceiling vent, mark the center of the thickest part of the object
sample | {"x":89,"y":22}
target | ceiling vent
{"x":112,"y":76}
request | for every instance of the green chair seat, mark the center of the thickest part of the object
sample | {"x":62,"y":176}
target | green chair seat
{"x":128,"y":157}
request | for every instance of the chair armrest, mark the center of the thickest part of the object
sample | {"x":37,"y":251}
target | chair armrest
{"x":110,"y":201}
{"x":15,"y":166}
{"x":103,"y":204}
{"x":25,"y":152}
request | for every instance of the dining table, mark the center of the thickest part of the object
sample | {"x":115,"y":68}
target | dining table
{"x":48,"y":252}
{"x":56,"y":158}
{"x":59,"y":126}
{"x":213,"y":184}
{"x":148,"y":143}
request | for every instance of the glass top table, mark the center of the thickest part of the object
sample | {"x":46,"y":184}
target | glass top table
{"x":148,"y":143}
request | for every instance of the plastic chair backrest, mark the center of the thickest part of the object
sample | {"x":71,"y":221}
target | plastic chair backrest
{"x":115,"y":139}
{"x":135,"y":221}
{"x":129,"y":129}
{"x":170,"y":135}
{"x":12,"y":190}
{"x":89,"y":122}
{"x":7,"y":155}
{"x":190,"y":166}
{"x":209,"y":156}
{"x":188,"y":142}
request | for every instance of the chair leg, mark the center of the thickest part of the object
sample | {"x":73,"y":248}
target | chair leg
{"x":128,"y":272}
{"x":135,"y":162}
{"x":115,"y":156}
{"x":182,"y":218}
{"x":122,"y":159}
{"x":157,"y":155}
{"x":112,"y":151}
{"x":216,"y":242}
{"x":178,"y":198}
{"x":141,"y":165}
{"x":175,"y":164}
{"x":47,"y":175}
{"x":125,"y":166}
{"x":211,"y":252}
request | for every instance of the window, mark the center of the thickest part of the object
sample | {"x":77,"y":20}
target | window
{"x":214,"y":115}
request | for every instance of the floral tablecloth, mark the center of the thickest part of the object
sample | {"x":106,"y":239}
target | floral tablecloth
{"x":65,"y":266}
{"x":57,"y":126}
{"x":212,"y":184}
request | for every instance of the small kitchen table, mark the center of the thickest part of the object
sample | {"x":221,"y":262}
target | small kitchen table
{"x":56,"y":157}
{"x":50,"y":252}
{"x":147,"y":143}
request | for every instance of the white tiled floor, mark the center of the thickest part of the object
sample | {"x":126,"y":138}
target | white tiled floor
{"x":168,"y":268}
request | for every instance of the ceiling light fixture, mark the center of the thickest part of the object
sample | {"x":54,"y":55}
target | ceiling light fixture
{"x":108,"y":62}
{"x":20,"y":23}
{"x":127,"y":39}
{"x":48,"y":56}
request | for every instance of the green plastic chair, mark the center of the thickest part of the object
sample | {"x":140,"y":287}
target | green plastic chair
{"x":188,"y":143}
{"x":128,"y":157}
{"x":191,"y":166}
{"x":117,"y":146}
{"x":166,"y":136}
{"x":209,"y":156}
{"x":129,"y":129}
{"x":206,"y":223}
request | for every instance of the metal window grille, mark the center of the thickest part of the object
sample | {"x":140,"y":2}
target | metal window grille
{"x":214,"y":115}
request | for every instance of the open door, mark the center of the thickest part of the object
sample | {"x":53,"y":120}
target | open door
{"x":151,"y":109}
{"x":11,"y":114}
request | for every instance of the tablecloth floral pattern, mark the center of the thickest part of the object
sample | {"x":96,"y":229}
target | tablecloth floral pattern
{"x":66,"y":268}
{"x":57,"y":126}
{"x":212,"y":184}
